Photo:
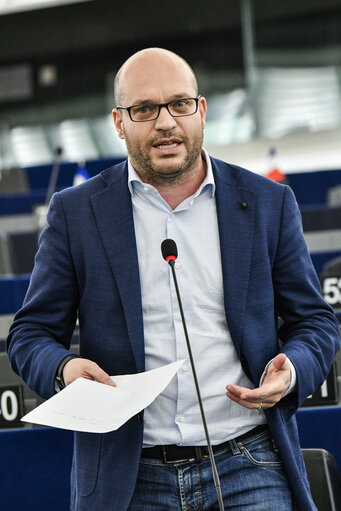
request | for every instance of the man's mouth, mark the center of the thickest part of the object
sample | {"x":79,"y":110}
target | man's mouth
{"x":167,"y":144}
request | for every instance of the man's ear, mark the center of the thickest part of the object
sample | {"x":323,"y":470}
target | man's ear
{"x":203,"y":110}
{"x":116,"y":114}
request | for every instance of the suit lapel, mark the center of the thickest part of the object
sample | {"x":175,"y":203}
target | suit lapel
{"x":236,"y":219}
{"x":113,"y":212}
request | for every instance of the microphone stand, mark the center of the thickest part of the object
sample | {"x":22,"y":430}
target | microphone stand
{"x":216,"y":479}
{"x":54,"y":176}
{"x":40,"y":210}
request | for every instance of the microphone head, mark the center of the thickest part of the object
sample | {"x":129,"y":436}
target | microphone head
{"x":169,"y":250}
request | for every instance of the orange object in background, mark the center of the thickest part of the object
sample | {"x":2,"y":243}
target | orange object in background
{"x":274,"y":171}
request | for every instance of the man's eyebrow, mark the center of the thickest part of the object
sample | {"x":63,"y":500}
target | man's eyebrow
{"x":182,"y":95}
{"x":143,"y":102}
{"x":151,"y":102}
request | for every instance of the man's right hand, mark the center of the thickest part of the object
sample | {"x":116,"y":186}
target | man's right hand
{"x":84,"y":368}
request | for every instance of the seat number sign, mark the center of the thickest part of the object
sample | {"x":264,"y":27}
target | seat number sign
{"x":11,"y":406}
{"x":327,"y":393}
{"x":331,"y":287}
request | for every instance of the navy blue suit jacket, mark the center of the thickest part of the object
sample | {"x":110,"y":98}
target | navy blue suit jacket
{"x":87,"y":264}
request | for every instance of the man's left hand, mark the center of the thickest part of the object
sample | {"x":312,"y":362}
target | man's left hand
{"x":272,"y":389}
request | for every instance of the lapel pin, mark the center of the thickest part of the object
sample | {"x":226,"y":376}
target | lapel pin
{"x":243,"y":205}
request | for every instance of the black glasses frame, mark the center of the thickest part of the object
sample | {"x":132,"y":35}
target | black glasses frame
{"x":160,"y":105}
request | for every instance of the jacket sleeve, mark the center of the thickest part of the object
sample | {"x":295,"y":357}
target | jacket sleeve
{"x":309,"y":332}
{"x":40,"y":335}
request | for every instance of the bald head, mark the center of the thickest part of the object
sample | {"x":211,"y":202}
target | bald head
{"x":150,"y":61}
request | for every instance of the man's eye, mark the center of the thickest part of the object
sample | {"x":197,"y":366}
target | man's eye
{"x":181,"y":103}
{"x":143,"y":109}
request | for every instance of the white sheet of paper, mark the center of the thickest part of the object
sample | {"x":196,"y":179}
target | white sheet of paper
{"x":86,"y":405}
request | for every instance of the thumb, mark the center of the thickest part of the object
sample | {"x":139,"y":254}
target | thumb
{"x":279,"y":361}
{"x":101,"y":376}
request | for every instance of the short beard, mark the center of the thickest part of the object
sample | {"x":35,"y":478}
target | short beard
{"x":156,"y":175}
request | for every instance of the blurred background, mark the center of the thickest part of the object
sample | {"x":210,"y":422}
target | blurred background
{"x":271,"y":73}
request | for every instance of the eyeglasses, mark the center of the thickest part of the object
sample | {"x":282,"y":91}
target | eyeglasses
{"x":151,"y":111}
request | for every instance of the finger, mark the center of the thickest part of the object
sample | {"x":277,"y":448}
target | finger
{"x":252,"y":405}
{"x":265,"y":394}
{"x":237,"y":390}
{"x":252,"y":395}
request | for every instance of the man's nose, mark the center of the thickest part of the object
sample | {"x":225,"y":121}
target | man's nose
{"x":165,"y":120}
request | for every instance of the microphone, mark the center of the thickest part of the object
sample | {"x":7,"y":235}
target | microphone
{"x":170,"y":253}
{"x":169,"y":250}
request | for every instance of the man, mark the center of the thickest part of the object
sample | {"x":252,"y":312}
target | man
{"x":243,"y":266}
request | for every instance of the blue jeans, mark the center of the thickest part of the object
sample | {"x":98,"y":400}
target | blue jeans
{"x":251,"y":477}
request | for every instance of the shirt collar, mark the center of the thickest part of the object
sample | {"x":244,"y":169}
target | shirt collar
{"x":208,"y":182}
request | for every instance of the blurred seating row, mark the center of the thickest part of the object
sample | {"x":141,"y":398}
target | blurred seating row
{"x":81,"y":139}
{"x":22,"y":189}
{"x":12,"y":293}
{"x":17,"y":251}
{"x":18,"y":245}
{"x":282,"y":100}
{"x":13,"y":181}
{"x":295,"y":99}
{"x":312,"y":189}
{"x":322,"y":230}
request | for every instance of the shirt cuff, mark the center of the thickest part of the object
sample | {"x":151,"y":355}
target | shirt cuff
{"x":293,"y":377}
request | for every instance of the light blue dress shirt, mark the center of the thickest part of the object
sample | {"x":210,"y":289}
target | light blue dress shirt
{"x":174,"y":417}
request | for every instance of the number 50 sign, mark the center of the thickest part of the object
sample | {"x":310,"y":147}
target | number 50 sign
{"x":11,"y":406}
{"x":331,"y":287}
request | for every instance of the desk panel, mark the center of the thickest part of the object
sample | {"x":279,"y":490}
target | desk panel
{"x":320,"y":427}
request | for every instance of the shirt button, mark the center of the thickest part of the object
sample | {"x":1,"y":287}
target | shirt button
{"x":185,"y":369}
{"x":146,"y":189}
{"x":171,"y":215}
{"x":182,"y":419}
{"x":177,"y":265}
